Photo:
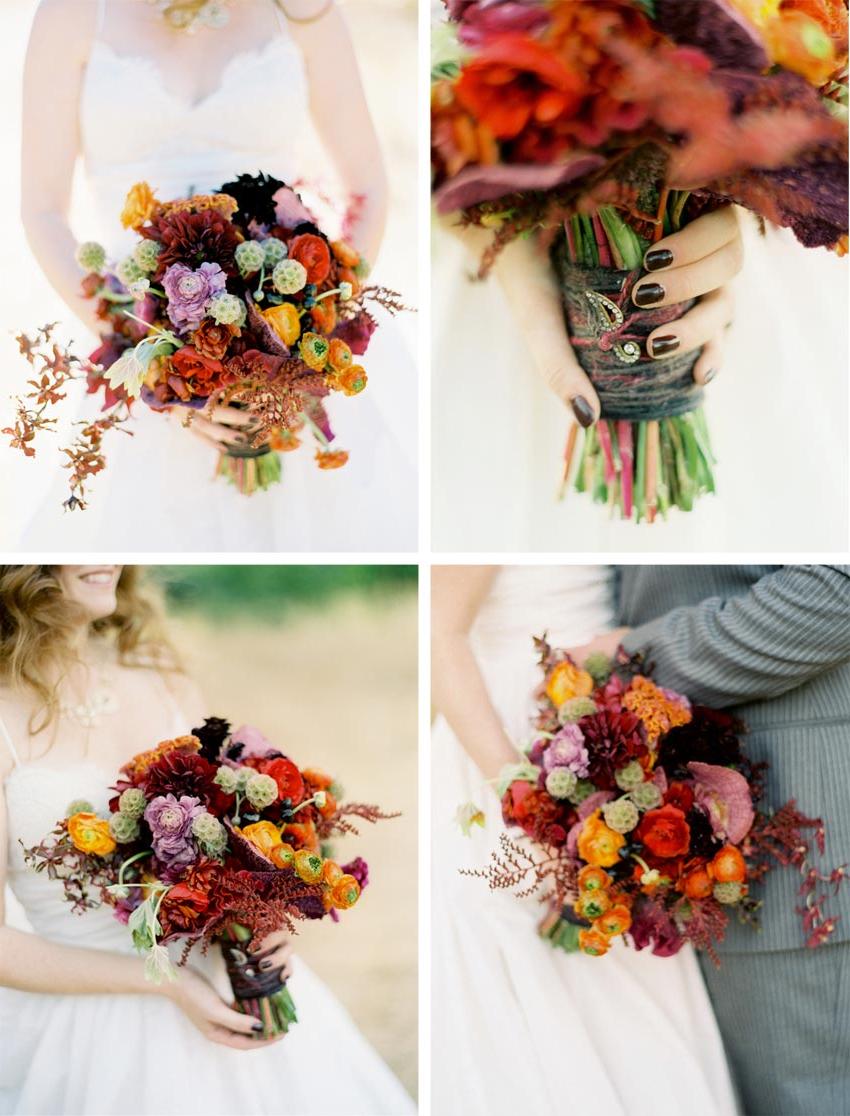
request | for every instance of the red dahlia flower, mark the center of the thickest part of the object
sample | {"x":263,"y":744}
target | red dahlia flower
{"x":664,"y":832}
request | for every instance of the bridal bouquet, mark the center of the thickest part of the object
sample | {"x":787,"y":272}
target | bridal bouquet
{"x":641,"y":817}
{"x":213,"y":837}
{"x":233,"y":298}
{"x":605,"y":125}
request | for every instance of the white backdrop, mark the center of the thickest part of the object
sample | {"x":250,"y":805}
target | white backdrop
{"x":385,"y":38}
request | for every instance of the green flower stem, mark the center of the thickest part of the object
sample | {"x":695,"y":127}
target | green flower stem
{"x":315,"y":431}
{"x":328,"y":294}
{"x":126,"y":864}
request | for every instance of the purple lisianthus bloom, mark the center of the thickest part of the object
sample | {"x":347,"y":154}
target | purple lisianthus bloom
{"x":189,"y":292}
{"x":567,"y":750}
{"x":170,"y":820}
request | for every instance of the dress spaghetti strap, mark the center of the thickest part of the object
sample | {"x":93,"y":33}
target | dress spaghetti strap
{"x":101,"y":16}
{"x":4,"y":734}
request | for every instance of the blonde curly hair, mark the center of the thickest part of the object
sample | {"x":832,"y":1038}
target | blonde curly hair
{"x":39,"y":623}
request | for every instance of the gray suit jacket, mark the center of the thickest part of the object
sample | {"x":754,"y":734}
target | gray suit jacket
{"x":772,"y":643}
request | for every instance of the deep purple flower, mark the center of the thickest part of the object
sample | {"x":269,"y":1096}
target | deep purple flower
{"x":359,"y":869}
{"x":653,"y":927}
{"x":567,"y":750}
{"x":357,"y":332}
{"x":717,"y":28}
{"x":170,"y":820}
{"x":189,"y":292}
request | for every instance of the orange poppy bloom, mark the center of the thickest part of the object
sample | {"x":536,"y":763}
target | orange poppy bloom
{"x":340,"y":355}
{"x":593,"y":879}
{"x":345,"y":254}
{"x":592,"y":904}
{"x":352,"y":381}
{"x":282,"y":855}
{"x":345,"y":892}
{"x":313,"y":254}
{"x":696,"y":883}
{"x":308,"y":865}
{"x":323,"y":315}
{"x":264,"y":836}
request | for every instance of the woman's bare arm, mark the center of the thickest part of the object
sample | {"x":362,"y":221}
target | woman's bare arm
{"x":341,"y":115}
{"x":459,"y":690}
{"x":58,"y":49}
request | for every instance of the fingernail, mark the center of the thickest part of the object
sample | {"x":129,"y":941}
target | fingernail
{"x":661,"y":346}
{"x":582,"y":410}
{"x":709,"y":376}
{"x":257,"y":1026}
{"x":648,"y":294}
{"x":656,"y":258}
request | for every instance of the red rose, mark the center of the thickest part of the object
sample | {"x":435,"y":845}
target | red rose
{"x":286,"y":775}
{"x":665,"y":832}
{"x":679,"y":795}
{"x":313,"y":253}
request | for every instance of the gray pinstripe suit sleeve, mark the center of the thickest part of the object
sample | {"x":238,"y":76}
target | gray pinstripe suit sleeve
{"x":791,"y":626}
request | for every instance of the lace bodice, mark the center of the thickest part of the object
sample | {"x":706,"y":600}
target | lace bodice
{"x":135,"y":127}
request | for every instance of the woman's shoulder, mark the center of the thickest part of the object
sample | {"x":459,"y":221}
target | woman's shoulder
{"x":14,"y":728}
{"x":66,"y":25}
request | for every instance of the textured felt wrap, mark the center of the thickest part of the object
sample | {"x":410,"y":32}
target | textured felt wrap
{"x":640,"y":391}
{"x":247,"y":980}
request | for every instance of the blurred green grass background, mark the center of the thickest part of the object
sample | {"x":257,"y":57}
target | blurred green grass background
{"x":269,"y":592}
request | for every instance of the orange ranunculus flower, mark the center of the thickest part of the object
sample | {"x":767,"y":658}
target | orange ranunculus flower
{"x":313,"y":254}
{"x":799,"y":43}
{"x":331,"y":459}
{"x":90,"y":834}
{"x":593,"y":943}
{"x":599,"y":845}
{"x":593,"y":879}
{"x":352,"y":381}
{"x":331,"y":872}
{"x":615,"y":921}
{"x":696,"y":882}
{"x":318,"y":780}
{"x":514,"y":81}
{"x":323,"y":316}
{"x":340,"y":355}
{"x":728,"y":866}
{"x":345,"y":254}
{"x":139,"y":764}
{"x":349,"y":275}
{"x":303,"y":835}
{"x":263,"y":835}
{"x":285,"y":321}
{"x":284,"y":441}
{"x":566,"y":681}
{"x":308,"y":865}
{"x":664,"y":832}
{"x":345,"y":892}
{"x":592,"y":904}
{"x":141,"y":204}
{"x":282,"y":855}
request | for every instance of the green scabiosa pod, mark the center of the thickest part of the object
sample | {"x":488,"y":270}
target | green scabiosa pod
{"x":123,"y":828}
{"x":132,"y":802}
{"x":289,"y":277}
{"x":622,"y":816}
{"x":91,"y":256}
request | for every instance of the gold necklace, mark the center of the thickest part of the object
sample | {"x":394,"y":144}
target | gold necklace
{"x":189,"y":15}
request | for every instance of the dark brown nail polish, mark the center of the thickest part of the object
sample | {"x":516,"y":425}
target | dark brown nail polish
{"x":661,"y":346}
{"x":656,"y":258}
{"x":648,"y":294}
{"x":582,"y":410}
{"x":709,"y":376}
{"x":258,"y":1027}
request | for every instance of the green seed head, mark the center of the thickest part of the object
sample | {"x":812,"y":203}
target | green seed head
{"x":561,"y":782}
{"x":132,"y":802}
{"x":289,"y":277}
{"x":91,"y":256}
{"x":621,"y":816}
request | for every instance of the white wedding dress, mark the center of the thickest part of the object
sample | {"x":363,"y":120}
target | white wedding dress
{"x":157,"y":493}
{"x":104,"y":1054}
{"x":519,"y":1026}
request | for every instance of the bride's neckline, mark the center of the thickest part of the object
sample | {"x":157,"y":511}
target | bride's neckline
{"x":53,"y":768}
{"x":253,"y":56}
